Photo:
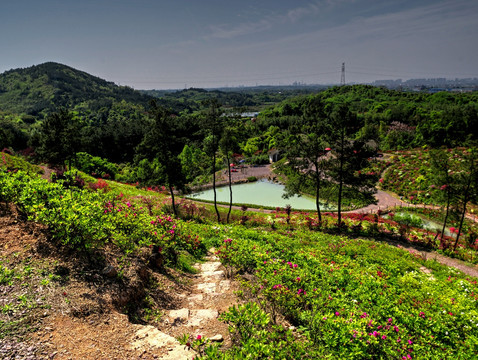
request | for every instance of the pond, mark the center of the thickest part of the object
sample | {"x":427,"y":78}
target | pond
{"x":422,"y":222}
{"x":260,"y":193}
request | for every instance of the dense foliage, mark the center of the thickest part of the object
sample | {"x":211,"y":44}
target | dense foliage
{"x":395,"y":119}
{"x":41,"y":89}
{"x":190,"y":100}
{"x":348,"y":298}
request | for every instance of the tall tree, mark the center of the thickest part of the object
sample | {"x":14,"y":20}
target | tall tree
{"x":466,"y":184}
{"x":441,"y":168}
{"x":227,"y":145}
{"x":348,"y":155}
{"x":59,"y":138}
{"x":213,"y":125}
{"x":305,"y":145}
{"x":164,"y":144}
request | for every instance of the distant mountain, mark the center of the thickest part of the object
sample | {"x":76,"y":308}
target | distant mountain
{"x":41,"y":89}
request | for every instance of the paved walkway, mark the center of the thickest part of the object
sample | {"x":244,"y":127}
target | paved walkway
{"x":384,"y":201}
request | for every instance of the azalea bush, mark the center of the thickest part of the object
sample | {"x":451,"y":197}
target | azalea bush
{"x":85,"y":219}
{"x":410,"y":175}
{"x":352,"y":298}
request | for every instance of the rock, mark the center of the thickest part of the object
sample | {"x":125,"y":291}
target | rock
{"x":149,"y":336}
{"x":210,"y":266}
{"x":179,"y":315}
{"x":225,"y":285}
{"x":197,"y":297}
{"x":197,"y":316}
{"x":217,"y":338}
{"x":207,"y":287}
{"x":110,"y":271}
{"x":212,"y":274}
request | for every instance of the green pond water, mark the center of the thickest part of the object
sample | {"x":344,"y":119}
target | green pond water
{"x":426,"y":223}
{"x":261,"y":193}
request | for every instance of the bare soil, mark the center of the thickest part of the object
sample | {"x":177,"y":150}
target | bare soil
{"x":61,"y":305}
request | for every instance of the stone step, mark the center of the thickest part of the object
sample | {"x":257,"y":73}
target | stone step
{"x":212,"y":274}
{"x":197,"y":316}
{"x":149,"y":336}
{"x":207,"y":288}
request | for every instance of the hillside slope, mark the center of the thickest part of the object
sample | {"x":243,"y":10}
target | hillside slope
{"x":40,"y":89}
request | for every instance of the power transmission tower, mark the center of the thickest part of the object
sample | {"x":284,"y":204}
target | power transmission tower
{"x":342,"y":77}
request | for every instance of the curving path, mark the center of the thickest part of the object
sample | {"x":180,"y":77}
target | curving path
{"x":384,"y":201}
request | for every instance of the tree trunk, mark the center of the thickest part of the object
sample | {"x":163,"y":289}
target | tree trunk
{"x":465,"y":202}
{"x":339,"y":205}
{"x":446,"y":214}
{"x":341,"y":180}
{"x":214,"y":186}
{"x":230,"y":188}
{"x":171,"y":191}
{"x":460,"y":227}
{"x":317,"y":192}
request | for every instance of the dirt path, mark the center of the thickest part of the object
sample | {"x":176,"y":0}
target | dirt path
{"x":384,"y":201}
{"x":113,"y":336}
{"x":468,"y":269}
{"x":50,"y":325}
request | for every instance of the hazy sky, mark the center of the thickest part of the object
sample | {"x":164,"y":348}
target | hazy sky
{"x":157,"y":44}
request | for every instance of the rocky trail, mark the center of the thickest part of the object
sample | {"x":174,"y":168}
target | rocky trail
{"x":76,"y":319}
{"x":211,"y":293}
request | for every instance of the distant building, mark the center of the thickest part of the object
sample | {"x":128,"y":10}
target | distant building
{"x":273,"y":155}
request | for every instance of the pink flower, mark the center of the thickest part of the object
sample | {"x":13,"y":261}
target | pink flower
{"x":410,"y":342}
{"x":384,"y":337}
{"x":337,"y":313}
{"x":375,"y":333}
{"x":199,"y":337}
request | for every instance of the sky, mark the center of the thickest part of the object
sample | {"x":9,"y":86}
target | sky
{"x":174,"y":44}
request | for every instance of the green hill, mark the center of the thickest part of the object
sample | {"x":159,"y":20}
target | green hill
{"x":40,"y":89}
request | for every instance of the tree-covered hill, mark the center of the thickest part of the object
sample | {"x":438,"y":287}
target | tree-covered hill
{"x":252,"y":99}
{"x":394,"y":119}
{"x":38,"y":90}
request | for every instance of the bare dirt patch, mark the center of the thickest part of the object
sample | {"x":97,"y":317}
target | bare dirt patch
{"x":58,"y":304}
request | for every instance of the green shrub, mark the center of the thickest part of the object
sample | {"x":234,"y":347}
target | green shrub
{"x":408,"y":219}
{"x":95,"y":166}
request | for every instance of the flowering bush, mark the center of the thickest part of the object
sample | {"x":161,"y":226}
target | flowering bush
{"x":83,"y":219}
{"x":354,"y":298}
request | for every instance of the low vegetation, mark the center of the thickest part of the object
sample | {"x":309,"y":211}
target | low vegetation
{"x":314,"y":285}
